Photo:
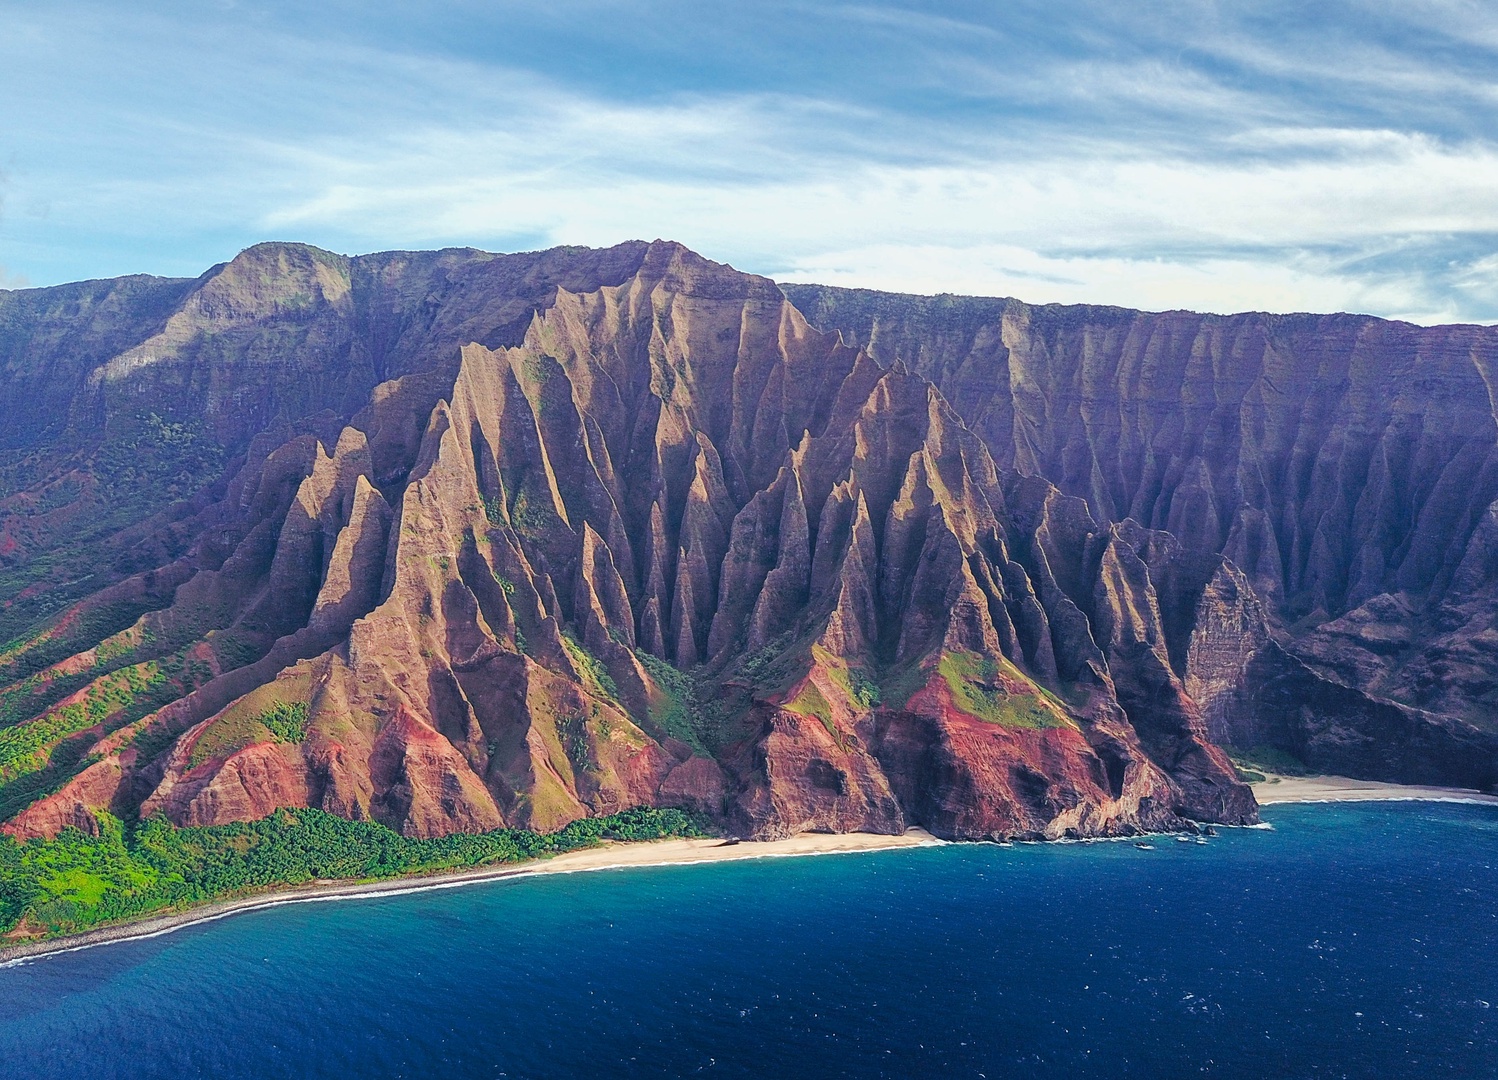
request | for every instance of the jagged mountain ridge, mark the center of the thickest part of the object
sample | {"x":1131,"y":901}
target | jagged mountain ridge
{"x":1345,"y":463}
{"x":470,"y":510}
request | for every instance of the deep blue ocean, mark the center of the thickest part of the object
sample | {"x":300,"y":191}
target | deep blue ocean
{"x":1348,"y":941}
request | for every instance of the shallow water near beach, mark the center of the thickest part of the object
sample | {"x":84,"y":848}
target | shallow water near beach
{"x":1356,"y":940}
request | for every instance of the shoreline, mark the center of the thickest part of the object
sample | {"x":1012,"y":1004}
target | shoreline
{"x":616,"y":855}
{"x":1328,"y":789}
{"x":612,"y":855}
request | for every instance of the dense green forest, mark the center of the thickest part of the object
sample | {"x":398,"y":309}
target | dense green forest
{"x":76,"y":881}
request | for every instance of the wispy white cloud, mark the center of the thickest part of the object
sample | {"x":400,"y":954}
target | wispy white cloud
{"x":451,"y":183}
{"x":1267,"y":281}
{"x":1179,"y":154}
{"x":1105,"y":225}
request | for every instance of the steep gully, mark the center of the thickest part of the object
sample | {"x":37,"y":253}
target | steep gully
{"x":994,"y":570}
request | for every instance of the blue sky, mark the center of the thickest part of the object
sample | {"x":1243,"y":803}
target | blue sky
{"x":1337,"y":155}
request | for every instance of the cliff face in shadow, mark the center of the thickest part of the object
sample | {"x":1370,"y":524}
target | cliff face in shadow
{"x":451,"y":541}
{"x":1333,"y":479}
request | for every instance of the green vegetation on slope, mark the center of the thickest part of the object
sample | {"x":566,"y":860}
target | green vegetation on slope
{"x":24,"y":747}
{"x":977,"y":689}
{"x":91,"y":623}
{"x":773,"y":666}
{"x":862,"y":691}
{"x":41,"y":754}
{"x":595,"y":676}
{"x":34,"y":694}
{"x":675,"y":710}
{"x":1251,"y":764}
{"x":143,"y":463}
{"x":76,"y":882}
{"x":858,"y":689}
{"x":262,"y":715}
{"x":286,"y":721}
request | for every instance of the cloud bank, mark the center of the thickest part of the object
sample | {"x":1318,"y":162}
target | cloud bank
{"x":1216,"y":157}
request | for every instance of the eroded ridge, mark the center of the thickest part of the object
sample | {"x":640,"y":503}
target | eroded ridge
{"x":510,"y":541}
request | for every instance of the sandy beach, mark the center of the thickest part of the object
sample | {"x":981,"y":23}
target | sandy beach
{"x":1275,"y":789}
{"x":607,"y":856}
{"x":1299,"y":789}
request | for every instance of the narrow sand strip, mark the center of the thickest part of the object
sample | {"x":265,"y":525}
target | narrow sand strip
{"x":1301,"y":789}
{"x":607,"y":856}
{"x":1277,"y":789}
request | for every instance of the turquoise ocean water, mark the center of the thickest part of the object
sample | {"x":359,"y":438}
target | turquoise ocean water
{"x":1348,"y":941}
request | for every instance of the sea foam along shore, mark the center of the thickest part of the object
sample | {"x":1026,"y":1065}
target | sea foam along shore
{"x":1303,"y":789}
{"x":607,"y":856}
